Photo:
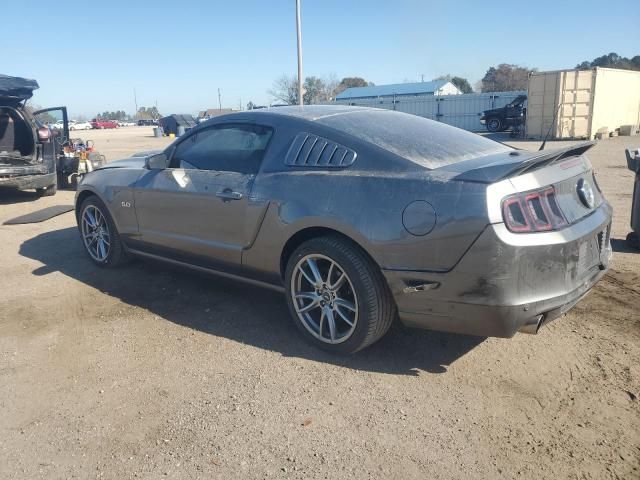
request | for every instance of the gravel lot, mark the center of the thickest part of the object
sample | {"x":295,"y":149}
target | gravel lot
{"x":149,"y":372}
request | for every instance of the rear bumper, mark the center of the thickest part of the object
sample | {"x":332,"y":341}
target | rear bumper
{"x":505,"y":284}
{"x":25,"y":182}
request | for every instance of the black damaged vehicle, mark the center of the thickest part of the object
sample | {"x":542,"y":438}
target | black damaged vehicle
{"x":29,"y":149}
{"x":509,"y":116}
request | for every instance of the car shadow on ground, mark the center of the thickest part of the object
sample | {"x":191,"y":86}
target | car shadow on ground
{"x":236,"y":311}
{"x":10,"y":196}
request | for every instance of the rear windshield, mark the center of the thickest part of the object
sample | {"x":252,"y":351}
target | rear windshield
{"x":426,"y":142}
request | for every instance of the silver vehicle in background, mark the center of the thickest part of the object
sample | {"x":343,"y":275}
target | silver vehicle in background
{"x":361,"y":216}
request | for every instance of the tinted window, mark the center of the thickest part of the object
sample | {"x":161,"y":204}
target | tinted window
{"x":425,"y":142}
{"x":236,"y":148}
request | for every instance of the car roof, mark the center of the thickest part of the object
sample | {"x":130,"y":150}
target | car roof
{"x":307,"y":112}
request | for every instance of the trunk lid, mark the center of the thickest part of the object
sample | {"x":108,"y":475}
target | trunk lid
{"x":14,"y":90}
{"x":493,"y":168}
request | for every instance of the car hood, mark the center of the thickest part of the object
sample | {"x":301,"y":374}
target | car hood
{"x":493,"y":110}
{"x":14,"y":90}
{"x":136,"y":160}
{"x":132,"y":162}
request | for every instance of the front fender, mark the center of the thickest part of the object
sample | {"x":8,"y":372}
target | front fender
{"x":115,"y":188}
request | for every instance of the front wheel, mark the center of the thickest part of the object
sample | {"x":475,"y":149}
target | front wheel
{"x":99,"y":235}
{"x":49,"y":191}
{"x":633,"y":240}
{"x":337,"y":295}
{"x":494,"y":124}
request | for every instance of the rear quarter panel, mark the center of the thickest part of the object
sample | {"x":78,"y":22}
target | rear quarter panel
{"x":367,"y":207}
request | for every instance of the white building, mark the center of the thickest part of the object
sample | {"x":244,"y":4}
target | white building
{"x":399,"y":90}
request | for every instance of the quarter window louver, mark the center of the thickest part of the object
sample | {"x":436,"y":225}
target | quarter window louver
{"x":308,"y":150}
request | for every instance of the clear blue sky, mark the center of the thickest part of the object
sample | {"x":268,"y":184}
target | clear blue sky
{"x":90,"y":55}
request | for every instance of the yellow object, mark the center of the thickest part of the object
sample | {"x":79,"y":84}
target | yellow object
{"x":172,"y":135}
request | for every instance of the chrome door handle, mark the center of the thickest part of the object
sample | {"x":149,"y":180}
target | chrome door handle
{"x":228,"y":194}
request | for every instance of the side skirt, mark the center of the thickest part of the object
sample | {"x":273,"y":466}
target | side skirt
{"x":230,"y":276}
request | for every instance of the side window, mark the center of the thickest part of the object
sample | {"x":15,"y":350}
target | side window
{"x":231,"y":148}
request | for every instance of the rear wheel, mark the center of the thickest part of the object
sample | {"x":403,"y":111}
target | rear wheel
{"x":49,"y":191}
{"x":337,"y":295}
{"x":494,"y":124}
{"x":99,"y":234}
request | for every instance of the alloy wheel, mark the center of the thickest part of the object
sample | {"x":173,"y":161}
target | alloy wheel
{"x":324,"y":298}
{"x":95,"y":233}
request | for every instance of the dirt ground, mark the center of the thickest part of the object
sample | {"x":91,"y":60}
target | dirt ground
{"x":149,"y":372}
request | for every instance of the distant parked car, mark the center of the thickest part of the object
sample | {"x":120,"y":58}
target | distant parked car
{"x":80,"y":126}
{"x":360,"y":215}
{"x":101,"y":124}
{"x":501,"y":119}
{"x":147,"y":123}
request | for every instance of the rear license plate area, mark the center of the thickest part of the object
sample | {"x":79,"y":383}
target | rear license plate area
{"x":594,"y":251}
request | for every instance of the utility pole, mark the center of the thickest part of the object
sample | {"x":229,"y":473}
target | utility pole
{"x":135,"y":100}
{"x":423,"y":78}
{"x":299,"y":34}
{"x":219,"y":100}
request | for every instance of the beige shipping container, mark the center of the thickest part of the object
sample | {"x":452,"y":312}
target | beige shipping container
{"x":578,"y":103}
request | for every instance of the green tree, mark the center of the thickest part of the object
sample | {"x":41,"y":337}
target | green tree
{"x":349,"y":82}
{"x":611,"y":60}
{"x":148,"y":113}
{"x":505,"y":78}
{"x":314,"y":91}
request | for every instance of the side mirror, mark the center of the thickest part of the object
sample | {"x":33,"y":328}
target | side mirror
{"x":158,"y":161}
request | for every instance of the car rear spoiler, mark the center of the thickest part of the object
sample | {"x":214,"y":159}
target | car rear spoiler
{"x":517,"y":162}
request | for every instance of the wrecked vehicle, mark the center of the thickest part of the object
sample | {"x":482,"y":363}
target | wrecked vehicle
{"x":29,"y":149}
{"x":510,"y":116}
{"x":360,"y":216}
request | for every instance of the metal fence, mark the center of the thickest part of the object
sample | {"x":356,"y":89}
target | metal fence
{"x":462,"y":111}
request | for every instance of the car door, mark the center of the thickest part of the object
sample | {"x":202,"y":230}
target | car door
{"x":198,"y":209}
{"x":53,"y":153}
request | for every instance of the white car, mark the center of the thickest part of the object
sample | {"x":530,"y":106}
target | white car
{"x":79,"y":126}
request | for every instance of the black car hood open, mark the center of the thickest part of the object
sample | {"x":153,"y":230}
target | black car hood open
{"x":14,"y":90}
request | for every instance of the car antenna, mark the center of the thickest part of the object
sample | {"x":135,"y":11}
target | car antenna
{"x":553,"y":122}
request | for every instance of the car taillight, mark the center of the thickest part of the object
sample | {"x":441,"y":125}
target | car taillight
{"x":536,"y":211}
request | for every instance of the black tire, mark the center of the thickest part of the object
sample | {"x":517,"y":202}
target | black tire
{"x":633,"y":240}
{"x":49,"y":191}
{"x":375,"y":304}
{"x":494,"y":124}
{"x":117,"y":254}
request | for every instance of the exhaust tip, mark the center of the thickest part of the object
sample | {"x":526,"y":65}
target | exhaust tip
{"x":532,"y":325}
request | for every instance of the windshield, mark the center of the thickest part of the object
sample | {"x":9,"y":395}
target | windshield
{"x":426,"y":142}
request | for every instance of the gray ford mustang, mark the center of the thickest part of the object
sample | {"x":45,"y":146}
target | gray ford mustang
{"x":361,"y":216}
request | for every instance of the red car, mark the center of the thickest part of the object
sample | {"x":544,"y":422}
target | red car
{"x":95,"y":123}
